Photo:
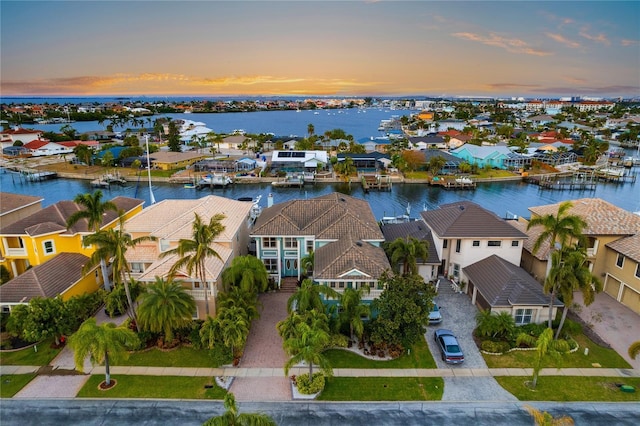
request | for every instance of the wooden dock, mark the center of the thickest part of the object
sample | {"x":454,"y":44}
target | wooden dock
{"x":375,"y":182}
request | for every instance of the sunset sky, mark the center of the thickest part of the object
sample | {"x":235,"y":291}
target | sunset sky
{"x":305,"y":48}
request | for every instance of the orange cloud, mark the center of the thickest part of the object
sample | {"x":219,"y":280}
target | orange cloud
{"x":563,"y":40}
{"x":600,"y":38}
{"x":512,"y":45}
{"x":626,"y":42}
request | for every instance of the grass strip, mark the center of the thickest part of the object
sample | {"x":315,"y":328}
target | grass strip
{"x":165,"y":387}
{"x":563,"y":388}
{"x":41,"y":355}
{"x":12,"y":383}
{"x":383,"y":389}
{"x":420,"y":357}
{"x":179,"y":357}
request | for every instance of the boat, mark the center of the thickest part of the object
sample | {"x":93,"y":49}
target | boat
{"x":215,"y":180}
{"x":614,"y":172}
{"x":464,"y":180}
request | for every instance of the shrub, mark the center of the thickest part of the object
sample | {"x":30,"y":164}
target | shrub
{"x":308,"y":387}
{"x":338,"y":341}
{"x":532,"y":329}
{"x":220,"y":355}
{"x":495,"y":347}
{"x":395,"y":351}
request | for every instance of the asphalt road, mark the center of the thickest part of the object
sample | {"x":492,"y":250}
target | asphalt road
{"x":164,"y":412}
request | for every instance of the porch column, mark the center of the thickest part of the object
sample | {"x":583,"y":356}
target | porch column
{"x":474,"y":293}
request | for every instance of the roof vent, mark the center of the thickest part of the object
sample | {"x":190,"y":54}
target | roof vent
{"x":461,"y":207}
{"x":359,"y":243}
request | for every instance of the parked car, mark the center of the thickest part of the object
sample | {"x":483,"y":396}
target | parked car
{"x":450,"y":350}
{"x":434,"y":315}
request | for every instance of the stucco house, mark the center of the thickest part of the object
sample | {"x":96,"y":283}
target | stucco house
{"x":14,"y":207}
{"x":172,"y":220}
{"x":299,"y":161}
{"x":498,"y":157}
{"x":40,"y":148}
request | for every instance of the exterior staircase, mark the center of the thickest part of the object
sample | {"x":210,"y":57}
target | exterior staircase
{"x":288,"y":285}
{"x":445,"y":286}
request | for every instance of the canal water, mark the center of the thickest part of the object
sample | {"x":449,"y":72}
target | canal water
{"x":503,"y":198}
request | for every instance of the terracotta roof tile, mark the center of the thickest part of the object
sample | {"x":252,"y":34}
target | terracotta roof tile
{"x":628,"y":246}
{"x":334,"y":260}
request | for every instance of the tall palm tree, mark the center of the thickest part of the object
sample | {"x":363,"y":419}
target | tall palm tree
{"x":234,"y":326}
{"x":94,"y":211}
{"x":353,"y":310}
{"x":232,"y":418}
{"x":112,"y":244}
{"x":408,"y":251}
{"x":544,"y":345}
{"x":165,"y":307}
{"x":248,"y":273}
{"x":577,"y":277}
{"x":308,"y":345}
{"x":287,"y":328}
{"x":307,"y":296}
{"x":194,"y":253}
{"x":104,"y":343}
{"x":561,"y":228}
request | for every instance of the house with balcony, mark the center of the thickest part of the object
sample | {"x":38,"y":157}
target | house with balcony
{"x":340,"y":230}
{"x":464,"y":233}
{"x":172,"y":220}
{"x":612,"y":241}
{"x":43,"y":235}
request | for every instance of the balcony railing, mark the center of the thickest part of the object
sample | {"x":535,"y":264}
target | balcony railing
{"x":591,"y":251}
{"x":199,"y":294}
{"x":16,"y":252}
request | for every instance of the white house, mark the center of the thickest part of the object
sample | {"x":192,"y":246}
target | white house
{"x":40,"y":148}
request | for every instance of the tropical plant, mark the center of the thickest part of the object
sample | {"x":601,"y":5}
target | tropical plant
{"x":246,"y":272}
{"x":353,"y":310}
{"x":500,"y":325}
{"x":545,"y":345}
{"x":173,"y":137}
{"x":634,"y":349}
{"x":193,"y":253}
{"x":569,"y":266}
{"x":308,"y":296}
{"x":237,"y":297}
{"x":117,"y":301}
{"x":42,"y":318}
{"x":164,"y":307}
{"x":94,"y":211}
{"x":307,"y":262}
{"x":210,"y":332}
{"x":543,"y":418}
{"x":308,"y":345}
{"x":287,"y":328}
{"x":104,"y":343}
{"x":407,"y":251}
{"x":232,"y":418}
{"x":234,"y":326}
{"x":562,"y":228}
{"x":436,"y":163}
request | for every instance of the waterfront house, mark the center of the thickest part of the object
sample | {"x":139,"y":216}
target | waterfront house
{"x":612,"y":247}
{"x":44,"y":235}
{"x":40,"y":148}
{"x":298,"y":161}
{"x":427,"y":268}
{"x":497,"y":157}
{"x":423,"y":143}
{"x":464,"y":233}
{"x":20,"y":134}
{"x":340,"y":230}
{"x":172,"y":220}
{"x":451,"y":163}
{"x":500,"y":286}
{"x":369,"y":162}
{"x":167,"y":160}
{"x":61,"y":276}
{"x":14,"y":207}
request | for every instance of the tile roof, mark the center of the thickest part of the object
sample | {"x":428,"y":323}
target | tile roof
{"x":602,"y":217}
{"x":54,"y":218}
{"x":533,"y":234}
{"x":502,"y":283}
{"x":10,"y":202}
{"x":628,"y":246}
{"x":47,"y":280}
{"x":173,"y":219}
{"x":465,"y":219}
{"x":144,"y":252}
{"x":213,"y":266}
{"x":328,"y":217}
{"x":417,"y":229}
{"x":334,"y":260}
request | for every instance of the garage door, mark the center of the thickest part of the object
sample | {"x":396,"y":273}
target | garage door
{"x":613,"y":286}
{"x":631,"y":299}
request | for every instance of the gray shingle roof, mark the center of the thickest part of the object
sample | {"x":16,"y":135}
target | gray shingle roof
{"x":328,"y":217}
{"x":54,"y":218}
{"x":336,"y":259}
{"x":46,"y":280}
{"x":502,"y":283}
{"x":465,"y":219}
{"x":416,"y":229}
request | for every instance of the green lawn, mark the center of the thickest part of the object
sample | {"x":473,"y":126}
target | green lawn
{"x":420,"y":357}
{"x":10,"y":384}
{"x":166,"y":387}
{"x":558,"y":388}
{"x":29,"y":356}
{"x":607,"y":358}
{"x":181,"y":357}
{"x":383,"y":389}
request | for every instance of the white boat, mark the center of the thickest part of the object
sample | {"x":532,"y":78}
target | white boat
{"x":611,"y":171}
{"x":215,"y":180}
{"x":464,"y":180}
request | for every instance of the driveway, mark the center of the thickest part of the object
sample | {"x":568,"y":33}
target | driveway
{"x":459,"y":316}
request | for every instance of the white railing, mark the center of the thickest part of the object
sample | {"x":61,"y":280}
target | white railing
{"x":16,"y":252}
{"x":199,"y":294}
{"x":373,"y":294}
{"x":591,"y":251}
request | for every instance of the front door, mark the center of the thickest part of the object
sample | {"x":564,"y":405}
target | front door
{"x":291,"y":267}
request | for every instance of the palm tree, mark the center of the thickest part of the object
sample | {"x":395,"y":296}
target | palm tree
{"x":307,"y":296}
{"x":234,"y":326}
{"x":560,"y":228}
{"x":248,"y":273}
{"x":232,"y":418}
{"x":193,"y":253}
{"x":634,"y":349}
{"x":408,"y":251}
{"x":113,"y":244}
{"x":164,"y":307}
{"x":237,"y":297}
{"x":210,"y":332}
{"x":104,"y":343}
{"x":544,"y":345}
{"x":94,"y":211}
{"x":576,"y":277}
{"x":287,"y":328}
{"x":353,"y":310}
{"x":307,"y":345}
{"x":311,"y":129}
{"x":307,"y":262}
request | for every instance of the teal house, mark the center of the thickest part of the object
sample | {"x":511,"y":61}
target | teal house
{"x":497,"y":157}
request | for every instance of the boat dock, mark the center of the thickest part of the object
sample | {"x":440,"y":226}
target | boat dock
{"x":375,"y":182}
{"x":30,"y":175}
{"x":452,"y":183}
{"x":289,"y":181}
{"x":577,"y":180}
{"x":107,"y":180}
